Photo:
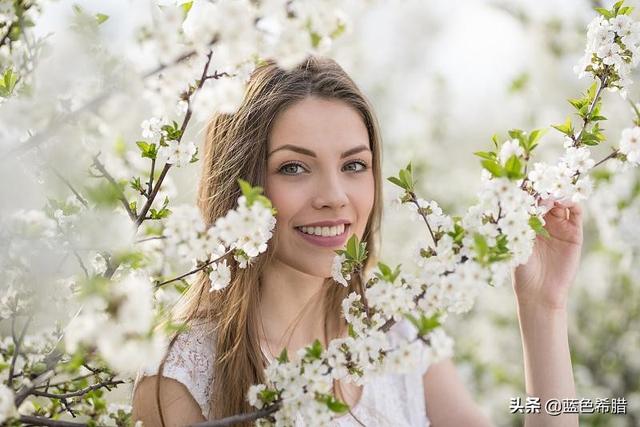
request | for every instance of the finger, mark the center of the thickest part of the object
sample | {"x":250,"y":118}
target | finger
{"x":574,"y":208}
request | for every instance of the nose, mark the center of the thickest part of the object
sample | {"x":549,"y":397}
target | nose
{"x":330,"y":192}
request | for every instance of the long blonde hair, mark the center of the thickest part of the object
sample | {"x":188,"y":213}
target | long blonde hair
{"x":236,"y":147}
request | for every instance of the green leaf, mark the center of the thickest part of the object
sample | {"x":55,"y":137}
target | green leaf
{"x":397,"y":182}
{"x":283,"y":357}
{"x":336,"y":405}
{"x":314,"y":351}
{"x":604,"y":12}
{"x":386,"y":273}
{"x":8,"y":83}
{"x":513,"y":167}
{"x":481,"y":247}
{"x":425,"y":324}
{"x":566,"y":128}
{"x":487,"y":155}
{"x":101,"y":17}
{"x":494,"y":167}
{"x":536,"y":225}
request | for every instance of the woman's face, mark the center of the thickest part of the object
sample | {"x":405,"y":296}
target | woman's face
{"x":320,"y":179}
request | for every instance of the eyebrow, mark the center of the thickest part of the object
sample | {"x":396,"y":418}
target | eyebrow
{"x":310,"y":153}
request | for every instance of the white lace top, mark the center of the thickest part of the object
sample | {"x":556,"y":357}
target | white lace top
{"x":386,"y":400}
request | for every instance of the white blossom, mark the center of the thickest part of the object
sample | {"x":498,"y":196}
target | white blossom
{"x":177,"y":153}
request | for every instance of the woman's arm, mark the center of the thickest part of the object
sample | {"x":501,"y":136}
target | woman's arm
{"x":447,"y":400}
{"x":542,"y":292}
{"x":179,"y":408}
{"x":547,"y":363}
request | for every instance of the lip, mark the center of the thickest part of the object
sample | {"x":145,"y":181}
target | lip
{"x":326,"y":242}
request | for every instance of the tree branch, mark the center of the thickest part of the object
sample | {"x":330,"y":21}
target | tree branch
{"x":77,"y":392}
{"x":236,"y":419}
{"x":43,"y":421}
{"x":167,"y":166}
{"x":113,"y":182}
{"x":202,"y":267}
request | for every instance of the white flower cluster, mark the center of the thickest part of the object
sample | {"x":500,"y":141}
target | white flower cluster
{"x":561,"y":182}
{"x":7,"y":407}
{"x":177,"y":153}
{"x":614,"y":43}
{"x":355,"y":360}
{"x":152,"y":128}
{"x":630,"y":145}
{"x":118,"y":325}
{"x":244,"y":230}
{"x":336,"y":271}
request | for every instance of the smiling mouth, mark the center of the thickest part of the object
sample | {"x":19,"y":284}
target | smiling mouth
{"x":336,"y":230}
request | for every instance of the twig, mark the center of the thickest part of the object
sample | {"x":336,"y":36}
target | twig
{"x":587,"y":117}
{"x":86,"y":272}
{"x":6,"y":35}
{"x":167,"y":166}
{"x":614,"y":153}
{"x":113,"y":182}
{"x":43,"y":421}
{"x":68,"y":184}
{"x":240,"y":418}
{"x":77,"y":392}
{"x":202,"y":267}
{"x":414,"y":200}
{"x":150,"y":238}
{"x":17,"y":342}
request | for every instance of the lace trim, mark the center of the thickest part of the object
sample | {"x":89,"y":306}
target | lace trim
{"x":190,"y":362}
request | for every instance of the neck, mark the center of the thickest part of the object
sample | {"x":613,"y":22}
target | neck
{"x":290,"y":309}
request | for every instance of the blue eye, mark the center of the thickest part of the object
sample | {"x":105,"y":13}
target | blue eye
{"x":283,"y":169}
{"x":358,"y":162}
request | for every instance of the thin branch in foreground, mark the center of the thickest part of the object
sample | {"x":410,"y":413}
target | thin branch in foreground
{"x":187,"y":117}
{"x":236,"y":419}
{"x":98,"y":165}
{"x":17,"y":343}
{"x":43,"y":421}
{"x":195,"y":270}
{"x":77,"y":393}
{"x":414,"y":200}
{"x":70,"y":186}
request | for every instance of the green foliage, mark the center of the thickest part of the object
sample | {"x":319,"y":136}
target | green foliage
{"x":404,"y":179}
{"x":536,"y":225}
{"x":8,"y":83}
{"x":424,"y":324}
{"x":616,"y":10}
{"x":519,"y":82}
{"x":104,"y":194}
{"x":101,"y":17}
{"x":254,"y":194}
{"x":283,"y":357}
{"x":163,"y":212}
{"x":313,"y":351}
{"x":386,"y":273}
{"x":355,"y":254}
{"x":565,"y":128}
{"x":147,"y":150}
{"x":332,"y":403}
{"x":173,"y":132}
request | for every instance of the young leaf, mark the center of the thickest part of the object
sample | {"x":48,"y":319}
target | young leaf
{"x":536,"y":225}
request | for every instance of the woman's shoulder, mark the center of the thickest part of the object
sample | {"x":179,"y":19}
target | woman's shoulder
{"x":190,"y":360}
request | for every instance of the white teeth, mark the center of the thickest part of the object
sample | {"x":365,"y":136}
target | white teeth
{"x":324,"y":231}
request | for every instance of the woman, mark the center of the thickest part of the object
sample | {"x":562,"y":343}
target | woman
{"x":310,"y":138}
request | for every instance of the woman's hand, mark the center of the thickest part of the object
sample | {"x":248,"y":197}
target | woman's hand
{"x":544,"y":280}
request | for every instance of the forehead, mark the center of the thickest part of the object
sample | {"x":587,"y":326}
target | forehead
{"x":318,"y":124}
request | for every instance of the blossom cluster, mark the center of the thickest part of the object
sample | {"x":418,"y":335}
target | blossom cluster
{"x":244,"y":231}
{"x":613,"y":43}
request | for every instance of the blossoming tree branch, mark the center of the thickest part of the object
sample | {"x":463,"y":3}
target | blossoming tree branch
{"x":114,"y":330}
